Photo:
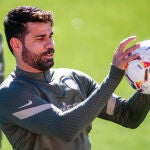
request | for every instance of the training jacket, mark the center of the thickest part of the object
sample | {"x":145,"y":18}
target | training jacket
{"x":53,"y":110}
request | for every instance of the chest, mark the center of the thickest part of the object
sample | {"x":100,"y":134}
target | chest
{"x":64,"y":92}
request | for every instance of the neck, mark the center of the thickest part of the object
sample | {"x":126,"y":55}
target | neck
{"x":28,"y":68}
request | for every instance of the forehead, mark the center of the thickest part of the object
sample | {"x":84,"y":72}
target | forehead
{"x":38,"y":28}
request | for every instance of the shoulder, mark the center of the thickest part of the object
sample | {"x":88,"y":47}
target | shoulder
{"x":14,"y":93}
{"x":69,"y":71}
{"x":12,"y":87}
{"x":80,"y":77}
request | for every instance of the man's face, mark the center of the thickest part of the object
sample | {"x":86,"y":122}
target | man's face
{"x":38,"y":46}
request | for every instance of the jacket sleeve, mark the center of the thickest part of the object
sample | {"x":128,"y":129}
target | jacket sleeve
{"x":129,"y":113}
{"x":34,"y":113}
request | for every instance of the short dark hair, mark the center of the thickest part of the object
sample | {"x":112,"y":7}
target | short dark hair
{"x":15,"y":21}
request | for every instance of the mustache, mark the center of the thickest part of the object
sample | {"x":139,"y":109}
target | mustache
{"x":49,"y":51}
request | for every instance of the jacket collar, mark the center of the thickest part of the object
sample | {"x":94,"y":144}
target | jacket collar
{"x":42,"y":76}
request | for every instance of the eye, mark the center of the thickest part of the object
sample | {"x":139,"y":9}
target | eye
{"x":40,"y":39}
{"x":51,"y":35}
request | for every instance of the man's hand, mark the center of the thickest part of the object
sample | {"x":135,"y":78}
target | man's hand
{"x":121,"y":55}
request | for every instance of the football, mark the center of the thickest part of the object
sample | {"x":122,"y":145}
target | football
{"x":137,"y":72}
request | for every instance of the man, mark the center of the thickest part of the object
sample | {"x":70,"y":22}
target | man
{"x":1,"y":71}
{"x":1,"y":60}
{"x":52,"y":109}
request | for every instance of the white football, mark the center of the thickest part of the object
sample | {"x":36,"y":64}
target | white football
{"x":137,"y":71}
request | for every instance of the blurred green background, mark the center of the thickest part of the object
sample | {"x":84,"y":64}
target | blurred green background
{"x":86,"y":34}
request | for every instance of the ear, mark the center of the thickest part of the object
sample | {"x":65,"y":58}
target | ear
{"x":15,"y":44}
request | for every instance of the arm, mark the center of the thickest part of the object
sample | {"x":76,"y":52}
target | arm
{"x":126,"y":113}
{"x":44,"y":118}
{"x":129,"y":113}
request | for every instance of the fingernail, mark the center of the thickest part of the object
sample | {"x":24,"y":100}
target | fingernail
{"x":133,"y":36}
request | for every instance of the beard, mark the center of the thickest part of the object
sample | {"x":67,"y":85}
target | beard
{"x":36,"y":61}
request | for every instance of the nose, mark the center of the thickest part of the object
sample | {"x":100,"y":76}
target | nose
{"x":50,"y":43}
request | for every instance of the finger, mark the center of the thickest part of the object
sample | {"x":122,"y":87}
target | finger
{"x":125,"y":42}
{"x":130,"y":58}
{"x":131,"y":49}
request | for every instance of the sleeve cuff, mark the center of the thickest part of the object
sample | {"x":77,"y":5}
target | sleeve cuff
{"x":116,"y":73}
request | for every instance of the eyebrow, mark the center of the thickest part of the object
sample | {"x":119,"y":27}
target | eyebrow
{"x":43,"y":35}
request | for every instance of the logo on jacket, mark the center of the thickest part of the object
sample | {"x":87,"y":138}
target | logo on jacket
{"x":70,"y":83}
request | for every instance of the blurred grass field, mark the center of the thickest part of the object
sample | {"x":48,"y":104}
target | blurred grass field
{"x":86,"y":35}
